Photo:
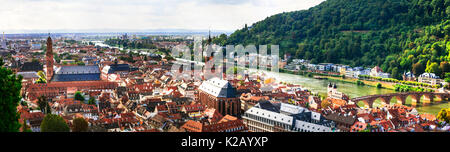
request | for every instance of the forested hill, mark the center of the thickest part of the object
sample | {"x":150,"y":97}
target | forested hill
{"x":393,"y":34}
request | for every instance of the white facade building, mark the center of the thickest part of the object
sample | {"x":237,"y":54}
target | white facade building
{"x":281,"y":117}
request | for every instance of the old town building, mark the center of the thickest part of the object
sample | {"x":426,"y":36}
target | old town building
{"x":281,"y":117}
{"x":221,"y":95}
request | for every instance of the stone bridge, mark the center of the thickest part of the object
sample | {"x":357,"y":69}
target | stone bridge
{"x":401,"y":97}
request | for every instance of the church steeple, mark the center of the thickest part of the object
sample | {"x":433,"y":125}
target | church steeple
{"x":209,"y":38}
{"x":49,"y":58}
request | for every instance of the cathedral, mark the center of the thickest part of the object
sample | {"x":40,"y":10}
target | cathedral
{"x":221,"y":95}
{"x":68,"y":73}
{"x":63,"y":78}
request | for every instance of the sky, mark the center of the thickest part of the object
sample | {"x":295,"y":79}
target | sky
{"x":227,"y":15}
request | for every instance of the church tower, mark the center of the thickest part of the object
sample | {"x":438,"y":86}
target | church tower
{"x":49,"y":58}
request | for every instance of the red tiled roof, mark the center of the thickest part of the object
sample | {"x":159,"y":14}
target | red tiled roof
{"x":227,"y":118}
{"x":230,"y":126}
{"x":213,"y":115}
{"x":193,"y":126}
{"x":193,"y":108}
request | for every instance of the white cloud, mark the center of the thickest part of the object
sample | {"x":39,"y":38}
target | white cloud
{"x":140,"y":14}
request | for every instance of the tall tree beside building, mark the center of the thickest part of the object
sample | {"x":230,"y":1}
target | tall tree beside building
{"x":445,"y":68}
{"x":79,"y":125}
{"x":79,"y":96}
{"x":43,"y":105}
{"x":444,"y":115}
{"x":54,"y":123}
{"x":91,"y":101}
{"x":325,"y":104}
{"x":42,"y":77}
{"x":10,"y":86}
{"x":25,"y":127}
{"x":418,"y":69}
{"x":433,"y":68}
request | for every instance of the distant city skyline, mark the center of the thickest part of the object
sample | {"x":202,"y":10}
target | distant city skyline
{"x":40,"y":16}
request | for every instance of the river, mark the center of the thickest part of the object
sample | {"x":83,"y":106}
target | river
{"x":352,"y":90}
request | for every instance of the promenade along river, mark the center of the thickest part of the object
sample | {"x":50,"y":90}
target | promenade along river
{"x":350,"y":89}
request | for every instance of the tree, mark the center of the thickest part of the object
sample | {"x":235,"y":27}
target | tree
{"x":43,"y":105}
{"x":445,"y":67}
{"x":54,"y":123}
{"x":42,"y":78}
{"x":325,"y":104}
{"x":359,"y":82}
{"x":25,"y":127}
{"x":433,"y":68}
{"x":395,"y":73}
{"x":79,"y":125}
{"x":10,"y":86}
{"x":79,"y":96}
{"x":169,"y":58}
{"x":447,"y":77}
{"x":444,"y":115}
{"x":91,"y":100}
{"x":80,"y":63}
{"x":379,"y":85}
{"x":41,"y":74}
{"x":241,"y":83}
{"x":418,"y":69}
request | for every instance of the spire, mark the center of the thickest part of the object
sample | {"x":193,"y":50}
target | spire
{"x":3,"y":37}
{"x":49,"y":39}
{"x":209,"y":37}
{"x":49,"y":58}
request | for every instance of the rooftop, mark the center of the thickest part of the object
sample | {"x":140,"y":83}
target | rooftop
{"x":78,"y":69}
{"x":218,"y":88}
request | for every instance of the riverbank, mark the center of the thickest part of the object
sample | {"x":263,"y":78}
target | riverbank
{"x":349,"y":87}
{"x":386,"y":85}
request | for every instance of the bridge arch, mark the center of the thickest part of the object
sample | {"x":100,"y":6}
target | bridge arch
{"x":416,"y":97}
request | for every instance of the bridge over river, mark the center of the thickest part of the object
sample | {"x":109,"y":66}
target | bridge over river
{"x":401,"y":98}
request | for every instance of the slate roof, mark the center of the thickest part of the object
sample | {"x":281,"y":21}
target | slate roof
{"x":28,"y":75}
{"x":118,"y":67}
{"x":307,"y":117}
{"x":77,"y":73}
{"x":91,"y":69}
{"x":266,"y":89}
{"x":76,"y":77}
{"x":341,"y":118}
{"x":267,"y":105}
{"x":218,"y":88}
{"x":32,"y":66}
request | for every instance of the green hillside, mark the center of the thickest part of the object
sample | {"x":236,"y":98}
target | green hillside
{"x":393,"y":34}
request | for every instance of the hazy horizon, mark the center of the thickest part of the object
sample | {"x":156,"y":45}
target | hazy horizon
{"x":117,"y":31}
{"x":43,"y":16}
